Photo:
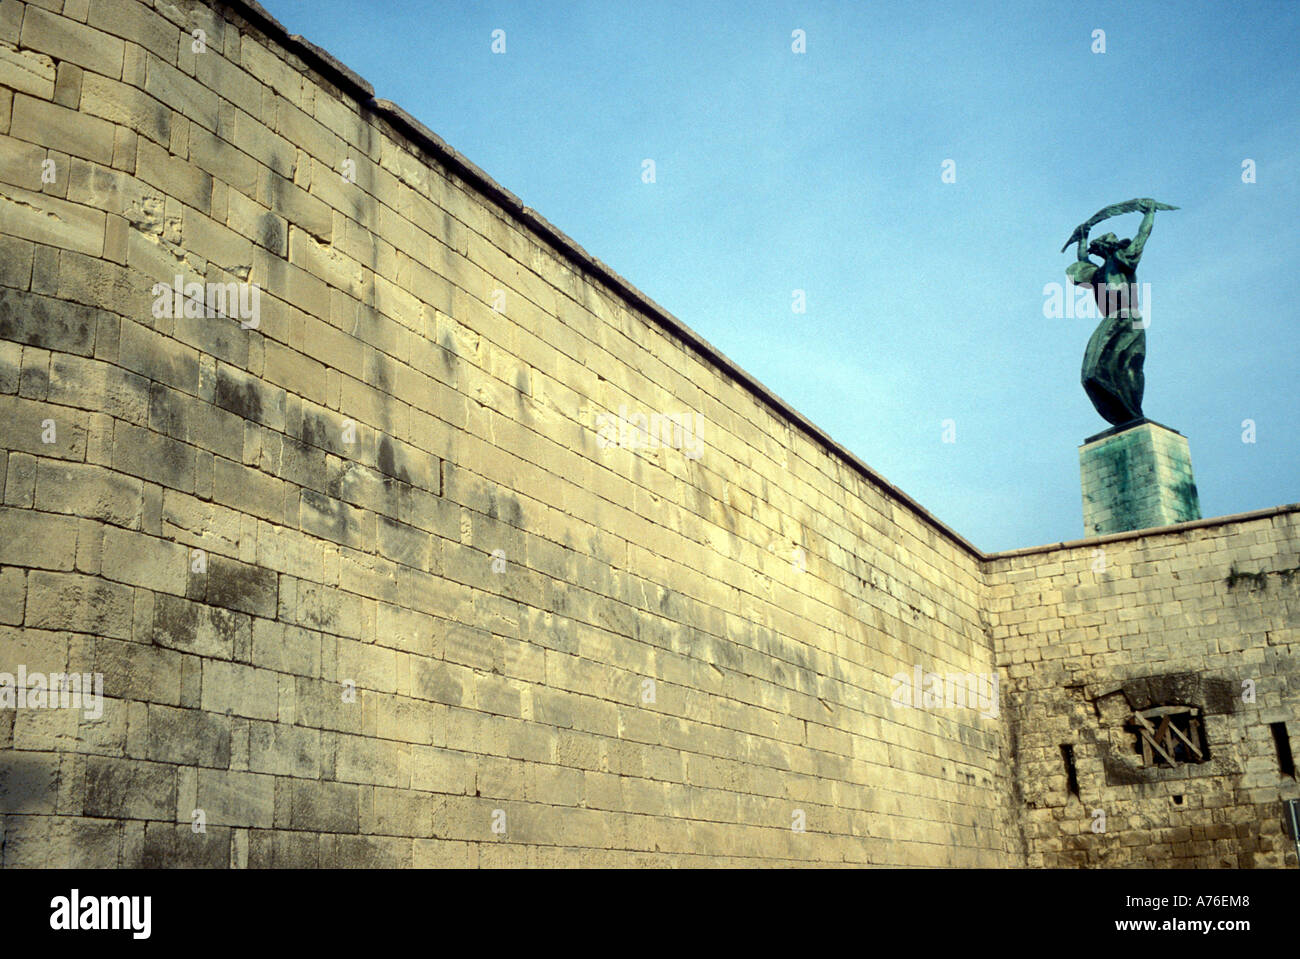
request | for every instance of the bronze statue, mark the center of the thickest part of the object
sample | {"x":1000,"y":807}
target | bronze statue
{"x":1112,"y":364}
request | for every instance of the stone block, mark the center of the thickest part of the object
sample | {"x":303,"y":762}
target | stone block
{"x":129,"y":789}
{"x":1137,"y":477}
{"x":27,"y":71}
{"x":65,"y":39}
{"x":53,"y":221}
{"x":197,"y":628}
{"x":236,"y":798}
{"x":324,"y":807}
{"x":62,"y":129}
{"x":80,"y":604}
{"x":136,"y":22}
{"x":235,"y":689}
{"x":128,"y":106}
{"x":189,"y":737}
{"x":182,"y":93}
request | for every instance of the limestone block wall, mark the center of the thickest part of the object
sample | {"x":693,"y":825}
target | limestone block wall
{"x":371,"y":577}
{"x":1206,"y":615}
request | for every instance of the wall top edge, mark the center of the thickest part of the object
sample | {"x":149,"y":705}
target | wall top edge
{"x":1149,"y":533}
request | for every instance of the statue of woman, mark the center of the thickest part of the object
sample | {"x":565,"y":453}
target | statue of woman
{"x":1112,"y":364}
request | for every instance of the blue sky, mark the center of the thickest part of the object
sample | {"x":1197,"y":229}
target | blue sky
{"x":821,"y":171}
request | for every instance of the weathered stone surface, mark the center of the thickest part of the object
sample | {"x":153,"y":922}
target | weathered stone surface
{"x":123,"y":104}
{"x":154,"y":457}
{"x":238,"y":690}
{"x":59,"y":128}
{"x":80,"y":604}
{"x":89,"y":491}
{"x":174,"y":176}
{"x":76,"y":843}
{"x":236,"y":799}
{"x":284,"y":750}
{"x":99,"y":386}
{"x":426,"y":595}
{"x":145,"y":561}
{"x":136,"y":672}
{"x":47,"y":322}
{"x":27,"y":71}
{"x":29,"y":783}
{"x":1137,"y":478}
{"x":13,"y":595}
{"x":136,"y":22}
{"x":22,"y":164}
{"x":129,"y":789}
{"x":236,"y":585}
{"x":178,"y":846}
{"x":31,"y":539}
{"x":15,"y":262}
{"x":65,"y":39}
{"x":197,"y":628}
{"x":190,"y":737}
{"x":180,"y":92}
{"x":324,"y":806}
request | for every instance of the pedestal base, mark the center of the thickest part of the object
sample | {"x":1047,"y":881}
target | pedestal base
{"x":1136,"y":476}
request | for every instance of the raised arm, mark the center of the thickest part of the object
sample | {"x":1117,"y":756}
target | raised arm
{"x":1133,"y":253}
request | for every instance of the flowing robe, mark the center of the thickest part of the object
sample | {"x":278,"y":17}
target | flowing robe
{"x":1112,"y":364}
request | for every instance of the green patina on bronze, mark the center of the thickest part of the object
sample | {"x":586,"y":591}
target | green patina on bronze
{"x":1112,"y":364}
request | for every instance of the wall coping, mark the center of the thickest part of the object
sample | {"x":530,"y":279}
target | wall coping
{"x":1149,"y":532}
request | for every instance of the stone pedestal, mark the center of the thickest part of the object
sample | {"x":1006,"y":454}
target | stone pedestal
{"x":1136,"y":476}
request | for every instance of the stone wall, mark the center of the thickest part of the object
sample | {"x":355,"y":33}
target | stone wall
{"x":370,"y":577}
{"x":1202,"y":615}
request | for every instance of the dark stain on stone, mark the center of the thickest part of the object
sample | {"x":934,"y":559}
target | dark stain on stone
{"x":315,"y":431}
{"x":47,"y":322}
{"x":168,"y":846}
{"x":334,"y":479}
{"x":1260,"y":580}
{"x":507,"y":510}
{"x":165,"y":416}
{"x":446,"y":345}
{"x":1256,"y":580}
{"x":724,"y":650}
{"x":249,"y":589}
{"x":381,"y":380}
{"x":27,"y":783}
{"x":394,"y":491}
{"x":242,"y":399}
{"x":332,"y":513}
{"x":1120,"y":772}
{"x":1219,"y":696}
{"x":388,"y":462}
{"x":1212,"y":695}
{"x":174,"y":623}
{"x":270,"y":233}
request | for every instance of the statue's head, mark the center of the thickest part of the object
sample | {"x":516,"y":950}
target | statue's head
{"x":1107,"y":244}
